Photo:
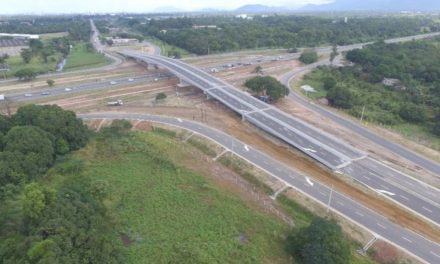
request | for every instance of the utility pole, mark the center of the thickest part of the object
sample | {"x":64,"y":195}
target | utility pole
{"x":330,"y":199}
{"x":362,"y":114}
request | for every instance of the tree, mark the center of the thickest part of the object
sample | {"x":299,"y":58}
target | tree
{"x":341,"y":96}
{"x":258,"y":70}
{"x":35,"y":144}
{"x":26,"y":55}
{"x":322,"y":242}
{"x":26,"y":74}
{"x":50,"y":82}
{"x":334,"y":54}
{"x":60,"y":123}
{"x":309,"y":57}
{"x":34,"y":201}
{"x":267,"y":86}
{"x":413,"y":113}
{"x":3,"y":58}
{"x":160,"y":96}
{"x":329,"y":83}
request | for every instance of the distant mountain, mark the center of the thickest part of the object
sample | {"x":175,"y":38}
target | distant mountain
{"x":375,"y":5}
{"x":260,"y":9}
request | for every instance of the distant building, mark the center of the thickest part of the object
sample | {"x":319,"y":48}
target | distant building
{"x":124,"y":41}
{"x":244,"y":16}
{"x":395,"y":83}
{"x":19,"y":36}
{"x":203,"y":26}
{"x":12,"y":47}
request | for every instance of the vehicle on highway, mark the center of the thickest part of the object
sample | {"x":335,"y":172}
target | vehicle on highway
{"x":45,"y":93}
{"x":130,"y":79}
{"x":115,"y":103}
{"x":113,"y":82}
{"x":67,"y":89}
{"x":155,"y":79}
{"x":28,"y":94}
{"x":2,"y":97}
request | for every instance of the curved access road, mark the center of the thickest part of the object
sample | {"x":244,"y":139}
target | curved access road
{"x":416,"y":196}
{"x":425,"y":250}
{"x":357,"y":128}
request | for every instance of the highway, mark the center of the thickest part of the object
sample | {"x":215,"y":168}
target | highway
{"x":357,"y":128}
{"x":77,"y":88}
{"x":421,"y":248}
{"x":326,"y":149}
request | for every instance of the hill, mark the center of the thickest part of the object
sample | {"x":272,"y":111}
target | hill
{"x":377,"y":5}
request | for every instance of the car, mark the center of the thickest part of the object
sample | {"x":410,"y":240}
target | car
{"x":45,"y":93}
{"x":155,"y":79}
{"x":67,"y":89}
{"x":28,"y":94}
{"x":113,"y":83}
{"x":130,"y":79}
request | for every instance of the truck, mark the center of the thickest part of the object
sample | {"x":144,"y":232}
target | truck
{"x":115,"y":103}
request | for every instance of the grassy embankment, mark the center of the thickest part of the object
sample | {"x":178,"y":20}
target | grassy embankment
{"x":167,"y":48}
{"x":166,"y":213}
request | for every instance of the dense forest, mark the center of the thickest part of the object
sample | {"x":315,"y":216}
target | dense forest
{"x":41,"y":25}
{"x":233,"y":33}
{"x":43,"y":223}
{"x":397,"y":83}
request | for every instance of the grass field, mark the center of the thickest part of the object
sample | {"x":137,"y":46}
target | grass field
{"x":166,"y":213}
{"x":80,"y":58}
{"x":166,"y":48}
{"x":169,"y":214}
{"x":16,"y":63}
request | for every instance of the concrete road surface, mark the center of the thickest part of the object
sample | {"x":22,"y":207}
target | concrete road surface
{"x":421,"y":248}
{"x":315,"y":143}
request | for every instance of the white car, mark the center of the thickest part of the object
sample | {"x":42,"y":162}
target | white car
{"x":130,"y":79}
{"x":113,"y":82}
{"x":67,"y":89}
{"x":28,"y":94}
{"x":155,"y":79}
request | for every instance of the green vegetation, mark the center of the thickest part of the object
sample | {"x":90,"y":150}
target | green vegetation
{"x":82,"y":56}
{"x":26,"y":74}
{"x":160,"y":96}
{"x":267,"y":86}
{"x":46,"y":220}
{"x":276,"y":31}
{"x":239,"y":166}
{"x":398,"y":84}
{"x":169,"y":214}
{"x":50,"y":82}
{"x":126,"y":197}
{"x":322,"y":242}
{"x":168,"y":49}
{"x":309,"y":57}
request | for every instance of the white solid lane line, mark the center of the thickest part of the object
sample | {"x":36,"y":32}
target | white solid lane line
{"x":435,"y":254}
{"x":407,"y":239}
{"x":309,"y":181}
{"x":379,"y":224}
{"x":426,"y":209}
{"x":360,"y":214}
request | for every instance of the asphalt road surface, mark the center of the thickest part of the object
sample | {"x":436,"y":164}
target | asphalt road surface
{"x":358,"y":129}
{"x":421,"y":248}
{"x":71,"y":89}
{"x":325,"y":148}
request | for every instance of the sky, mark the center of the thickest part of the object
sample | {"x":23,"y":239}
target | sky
{"x":139,"y":6}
